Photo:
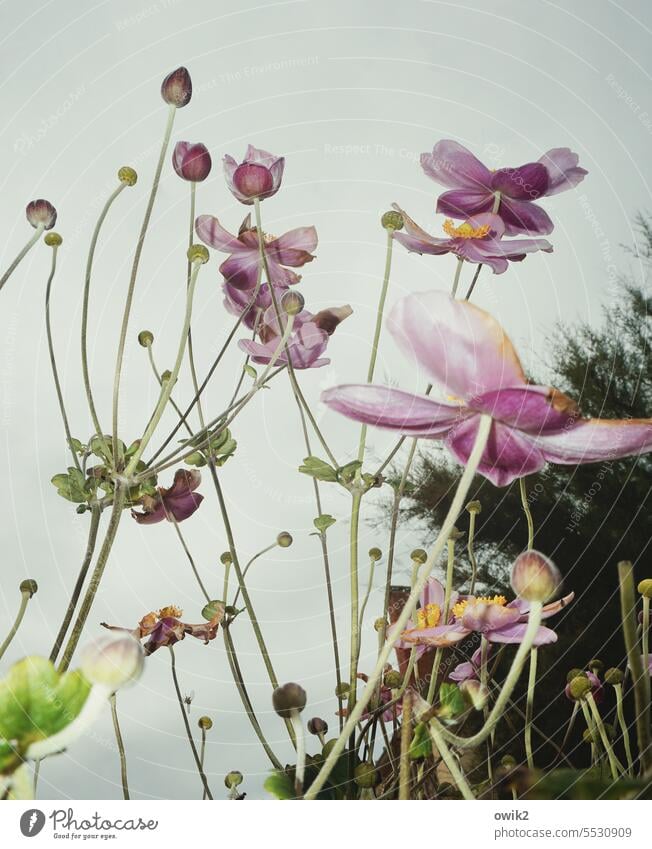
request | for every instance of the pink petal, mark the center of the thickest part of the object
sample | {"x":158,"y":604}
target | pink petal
{"x":416,"y":239}
{"x":535,"y":409}
{"x":528,"y":182}
{"x":294,"y":247}
{"x":241,"y":270}
{"x":453,"y":165}
{"x":563,"y":169}
{"x":548,"y":609}
{"x":463,"y":203}
{"x":385,"y":407}
{"x":523,"y":216}
{"x":592,"y":440}
{"x":482,"y":617}
{"x":433,"y":593}
{"x":211,"y":232}
{"x":515,"y":249}
{"x":515,"y":633}
{"x":441,"y":635}
{"x":462,"y":347}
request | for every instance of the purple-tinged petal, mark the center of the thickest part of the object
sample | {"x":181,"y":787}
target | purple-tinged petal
{"x":483,"y":617}
{"x":416,"y":239}
{"x":211,"y":232}
{"x":451,"y":164}
{"x":527,"y":182}
{"x":440,"y":635}
{"x":462,"y":347}
{"x":393,"y":409}
{"x":563,"y":169}
{"x":463,"y":672}
{"x":241,"y":270}
{"x":535,"y":409}
{"x":152,"y":517}
{"x":479,"y":251}
{"x":252,"y":181}
{"x":433,"y":593}
{"x":523,"y":216}
{"x":549,"y":610}
{"x":515,"y":633}
{"x":294,"y":247}
{"x":593,"y":440}
{"x":464,"y":203}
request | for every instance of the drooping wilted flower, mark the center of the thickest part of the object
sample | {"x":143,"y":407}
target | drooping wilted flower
{"x":191,"y":161}
{"x":258,"y":176}
{"x":467,"y":353}
{"x":165,"y":628}
{"x":175,"y":503}
{"x":41,"y":213}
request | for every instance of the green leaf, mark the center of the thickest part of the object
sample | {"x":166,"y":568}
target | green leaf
{"x":421,"y":745}
{"x":77,"y":446}
{"x":451,"y":702}
{"x":250,"y":370}
{"x":318,"y":469}
{"x":348,"y":472}
{"x":579,"y":784}
{"x":73,"y":486}
{"x":279,"y":784}
{"x":323,"y":522}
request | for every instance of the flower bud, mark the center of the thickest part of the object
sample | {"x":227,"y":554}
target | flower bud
{"x":455,"y":534}
{"x":575,"y":673}
{"x":614,"y":676}
{"x":113,"y":661}
{"x":292,"y":302}
{"x":596,"y":666}
{"x":393,"y":679}
{"x":197,"y":253}
{"x":29,"y":585}
{"x":419,"y":555}
{"x":474,"y":692}
{"x":212,"y":609}
{"x":226,"y":558}
{"x":365,"y":775}
{"x":508,"y":761}
{"x":392,"y":220}
{"x":534,"y":577}
{"x":288,"y":698}
{"x":342,"y":690}
{"x":41,"y":213}
{"x":191,"y":162}
{"x":233,"y":779}
{"x":53,"y":240}
{"x":474,"y":507}
{"x":375,"y":554}
{"x":127,"y":175}
{"x":380,"y":624}
{"x":645,"y":588}
{"x":578,"y":688}
{"x":176,"y":88}
{"x":284,"y":540}
{"x":205,"y":723}
{"x":145,"y":338}
{"x":166,"y":375}
{"x":317,"y":726}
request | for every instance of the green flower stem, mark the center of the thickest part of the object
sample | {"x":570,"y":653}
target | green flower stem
{"x":365,"y":600}
{"x":53,"y":359}
{"x":451,"y":761}
{"x":225,"y":588}
{"x":528,"y":513}
{"x":471,"y":552}
{"x":191,"y":356}
{"x":25,"y":596}
{"x":473,"y":282}
{"x":599,"y":724}
{"x":119,"y":499}
{"x":79,"y":583}
{"x":186,"y":723}
{"x":355,"y":600}
{"x":642,"y":705}
{"x":645,"y":645}
{"x":202,"y":755}
{"x":121,"y":747}
{"x":300,"y":767}
{"x":623,"y":728}
{"x":166,"y":390}
{"x":23,"y":253}
{"x":248,"y":566}
{"x":244,"y":696}
{"x":134,"y":274}
{"x":456,"y":278}
{"x":448,"y":590}
{"x":189,"y":556}
{"x":410,"y":606}
{"x":529,"y":708}
{"x":406,"y":738}
{"x":84,"y":320}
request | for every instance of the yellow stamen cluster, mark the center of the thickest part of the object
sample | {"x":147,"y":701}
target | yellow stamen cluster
{"x":460,"y":607}
{"x":429,"y":616}
{"x":170,"y":610}
{"x":465,"y":231}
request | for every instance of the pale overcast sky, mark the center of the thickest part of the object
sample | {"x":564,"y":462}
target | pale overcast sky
{"x":350,"y":93}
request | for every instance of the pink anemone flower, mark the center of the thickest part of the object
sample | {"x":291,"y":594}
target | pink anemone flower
{"x":242,"y":268}
{"x":259,"y":175}
{"x":474,"y":188}
{"x":467,"y":353}
{"x":175,"y":503}
{"x":478,"y":240}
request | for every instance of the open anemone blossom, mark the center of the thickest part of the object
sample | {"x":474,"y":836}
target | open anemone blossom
{"x":175,"y":503}
{"x":491,"y":616}
{"x":258,"y":176}
{"x":242,"y":268}
{"x":511,"y":192}
{"x":466,"y":352}
{"x":307,"y":342}
{"x":478,"y":240}
{"x":165,"y":628}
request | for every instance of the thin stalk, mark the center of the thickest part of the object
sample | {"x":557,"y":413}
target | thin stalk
{"x":189,"y":556}
{"x":471,"y":552}
{"x":456,"y":279}
{"x":119,"y":498}
{"x":529,"y":708}
{"x":406,"y":739}
{"x":79,"y":583}
{"x":121,"y":747}
{"x":451,"y":762}
{"x":354,"y":590}
{"x":300,"y":767}
{"x":473,"y":282}
{"x":202,"y":754}
{"x":528,"y":513}
{"x":25,"y":596}
{"x":450,"y":565}
{"x":456,"y":506}
{"x":186,"y":723}
{"x":53,"y":359}
{"x":623,"y":728}
{"x":248,"y":566}
{"x":365,"y":600}
{"x":134,"y":274}
{"x":23,"y":253}
{"x":84,"y":319}
{"x":645,"y":645}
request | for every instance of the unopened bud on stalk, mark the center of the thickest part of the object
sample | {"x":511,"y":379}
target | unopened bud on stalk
{"x":145,"y":338}
{"x":292,"y":302}
{"x":342,"y":690}
{"x":365,"y":775}
{"x":380,"y":624}
{"x":226,"y":558}
{"x":233,"y":779}
{"x":474,"y":693}
{"x":41,"y":213}
{"x":393,"y":679}
{"x":127,"y":175}
{"x":579,"y":687}
{"x":419,"y":555}
{"x":166,"y":375}
{"x":508,"y":761}
{"x":29,"y":585}
{"x":113,"y":661}
{"x":375,"y":554}
{"x":645,"y":588}
{"x":614,"y":676}
{"x":317,"y":726}
{"x":575,"y":673}
{"x":392,"y":220}
{"x":53,"y":240}
{"x":596,"y":666}
{"x":455,"y":534}
{"x":176,"y":88}
{"x":205,"y":723}
{"x":284,"y":539}
{"x":534,"y":577}
{"x":197,"y":253}
{"x":289,"y":698}
{"x":474,"y":507}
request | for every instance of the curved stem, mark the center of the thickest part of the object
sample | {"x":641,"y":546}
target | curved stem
{"x":119,"y":499}
{"x":528,"y":513}
{"x":623,"y":728}
{"x":24,"y":600}
{"x":193,"y":748}
{"x":365,"y":600}
{"x":246,"y":569}
{"x":79,"y":583}
{"x":451,"y":762}
{"x":189,"y":556}
{"x":84,"y":319}
{"x":121,"y":747}
{"x":23,"y":253}
{"x":134,"y":273}
{"x":613,"y":763}
{"x":456,"y":506}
